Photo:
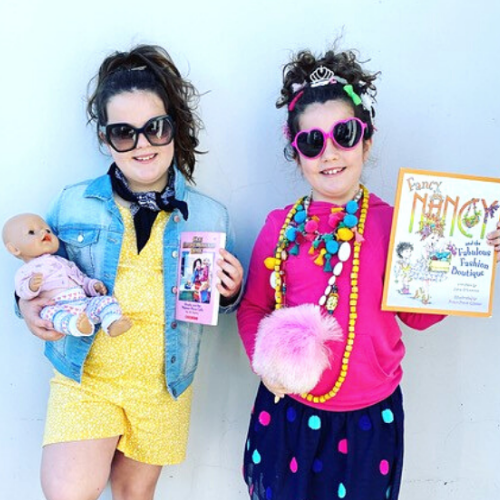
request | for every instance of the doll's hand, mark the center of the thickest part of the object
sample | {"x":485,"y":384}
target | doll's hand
{"x":100,"y":288}
{"x":41,"y":328}
{"x":230,"y":275}
{"x":493,"y":239}
{"x":36,"y":282}
{"x":278,"y":390}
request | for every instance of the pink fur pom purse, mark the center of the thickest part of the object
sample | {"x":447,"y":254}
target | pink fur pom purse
{"x":290,"y":347}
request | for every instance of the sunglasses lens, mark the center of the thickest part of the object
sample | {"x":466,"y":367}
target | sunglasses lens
{"x":310,"y":144}
{"x":348,"y":134}
{"x":121,"y":136}
{"x":159,"y":131}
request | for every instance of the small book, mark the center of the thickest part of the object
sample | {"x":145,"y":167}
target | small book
{"x":439,"y":261}
{"x":197,"y":295}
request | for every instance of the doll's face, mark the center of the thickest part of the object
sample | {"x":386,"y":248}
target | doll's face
{"x":28,"y":236}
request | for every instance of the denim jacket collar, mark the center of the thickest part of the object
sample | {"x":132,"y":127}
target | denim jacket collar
{"x":101,"y":187}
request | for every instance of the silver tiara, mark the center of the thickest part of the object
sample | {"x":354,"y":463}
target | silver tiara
{"x":323,"y":76}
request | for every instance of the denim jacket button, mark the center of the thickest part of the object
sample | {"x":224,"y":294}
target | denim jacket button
{"x":177,"y":218}
{"x":80,"y":238}
{"x":173,"y":359}
{"x":175,"y":254}
{"x":173,"y":324}
{"x":174,"y":289}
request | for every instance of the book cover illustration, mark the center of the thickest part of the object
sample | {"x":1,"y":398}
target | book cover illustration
{"x":439,"y":261}
{"x":197,"y":295}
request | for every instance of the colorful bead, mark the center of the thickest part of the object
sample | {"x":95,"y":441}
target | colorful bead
{"x":350,"y":220}
{"x":291,"y":234}
{"x":300,"y":217}
{"x":311,"y":226}
{"x":345,"y":234}
{"x":332,"y":246}
{"x":352,"y":207}
{"x":270,"y":263}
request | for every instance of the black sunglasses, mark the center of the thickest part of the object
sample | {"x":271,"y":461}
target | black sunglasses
{"x":123,"y":137}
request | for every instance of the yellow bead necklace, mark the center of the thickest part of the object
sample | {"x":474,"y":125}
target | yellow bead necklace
{"x":279,"y":285}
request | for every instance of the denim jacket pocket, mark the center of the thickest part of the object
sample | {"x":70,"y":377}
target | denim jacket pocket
{"x":80,"y":244}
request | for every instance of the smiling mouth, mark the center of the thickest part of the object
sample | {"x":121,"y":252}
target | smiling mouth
{"x":47,"y":238}
{"x":333,"y":171}
{"x":145,"y":158}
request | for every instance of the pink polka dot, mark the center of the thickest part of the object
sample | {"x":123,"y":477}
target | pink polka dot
{"x":343,"y":446}
{"x":384,"y":467}
{"x":264,"y":418}
{"x":251,"y":489}
{"x":294,"y":466}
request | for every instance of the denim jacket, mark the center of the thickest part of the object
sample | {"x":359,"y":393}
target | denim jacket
{"x":89,"y":226}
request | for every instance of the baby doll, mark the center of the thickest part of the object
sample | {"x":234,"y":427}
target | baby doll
{"x":79,"y":301}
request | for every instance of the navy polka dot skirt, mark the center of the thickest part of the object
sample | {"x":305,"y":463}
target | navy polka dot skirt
{"x":296,"y":452}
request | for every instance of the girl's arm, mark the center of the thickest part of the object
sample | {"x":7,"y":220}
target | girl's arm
{"x":420,"y":321}
{"x":258,"y":300}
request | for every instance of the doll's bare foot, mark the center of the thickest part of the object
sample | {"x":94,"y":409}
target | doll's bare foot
{"x":84,"y":325}
{"x":119,"y":326}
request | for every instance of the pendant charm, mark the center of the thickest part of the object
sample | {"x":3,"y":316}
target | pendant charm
{"x":332,"y":302}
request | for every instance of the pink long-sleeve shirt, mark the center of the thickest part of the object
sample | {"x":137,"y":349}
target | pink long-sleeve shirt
{"x":375,"y":363}
{"x":59,"y":274}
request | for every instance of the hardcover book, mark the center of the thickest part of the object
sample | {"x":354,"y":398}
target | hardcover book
{"x":197,"y":295}
{"x":439,"y":261}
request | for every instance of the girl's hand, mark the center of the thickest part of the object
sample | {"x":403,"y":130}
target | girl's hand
{"x":494,"y":240}
{"x":278,"y":390}
{"x":230,"y":275}
{"x":41,"y":328}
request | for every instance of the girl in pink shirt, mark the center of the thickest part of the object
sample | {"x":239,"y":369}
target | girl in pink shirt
{"x":327,"y":424}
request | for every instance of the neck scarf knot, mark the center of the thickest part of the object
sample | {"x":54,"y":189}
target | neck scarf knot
{"x":146,"y":205}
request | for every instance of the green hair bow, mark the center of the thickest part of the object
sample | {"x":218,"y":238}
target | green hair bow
{"x":350,"y":92}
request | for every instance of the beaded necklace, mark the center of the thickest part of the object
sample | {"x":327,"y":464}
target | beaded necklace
{"x":299,"y":227}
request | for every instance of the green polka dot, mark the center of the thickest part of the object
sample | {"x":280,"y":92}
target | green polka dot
{"x":256,"y":458}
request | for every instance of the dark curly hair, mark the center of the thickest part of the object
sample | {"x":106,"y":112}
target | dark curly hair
{"x":158,"y":75}
{"x":401,"y":247}
{"x":297,"y":73}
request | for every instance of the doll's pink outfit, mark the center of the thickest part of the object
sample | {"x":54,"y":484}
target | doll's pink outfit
{"x":72,"y":291}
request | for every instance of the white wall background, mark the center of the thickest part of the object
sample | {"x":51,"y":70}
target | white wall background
{"x":438,"y":109}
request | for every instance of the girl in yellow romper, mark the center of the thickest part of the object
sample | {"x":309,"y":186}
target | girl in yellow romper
{"x":119,"y":407}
